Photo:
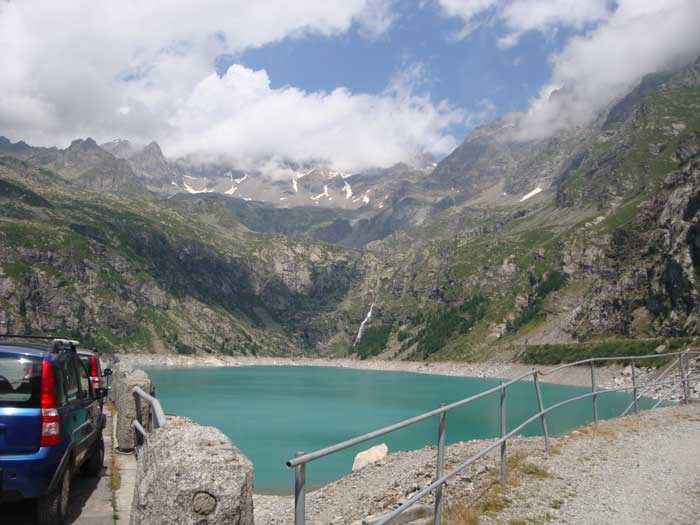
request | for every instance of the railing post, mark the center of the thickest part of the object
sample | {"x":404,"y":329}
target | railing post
{"x":634,"y":389}
{"x":504,"y":453}
{"x":299,"y":492}
{"x":543,"y":417}
{"x":440,"y":466}
{"x":137,"y":404}
{"x":594,"y":388}
{"x":685,"y":371}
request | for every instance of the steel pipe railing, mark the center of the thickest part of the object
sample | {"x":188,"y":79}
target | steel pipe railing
{"x":301,"y":459}
{"x":157,"y":415}
{"x":156,"y":409}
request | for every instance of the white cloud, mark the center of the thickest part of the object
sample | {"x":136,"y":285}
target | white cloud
{"x":596,"y":68}
{"x":615,"y":45}
{"x":240,"y":117}
{"x":145,"y":70}
{"x":521,"y":16}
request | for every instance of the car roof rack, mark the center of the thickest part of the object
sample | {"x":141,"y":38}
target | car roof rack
{"x":57,"y":344}
{"x":64,"y":344}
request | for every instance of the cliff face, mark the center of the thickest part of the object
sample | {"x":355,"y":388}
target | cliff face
{"x":125,"y":273}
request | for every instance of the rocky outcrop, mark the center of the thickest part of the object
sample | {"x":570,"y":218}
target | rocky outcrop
{"x":189,"y":474}
{"x":649,"y":265}
{"x":369,"y":456}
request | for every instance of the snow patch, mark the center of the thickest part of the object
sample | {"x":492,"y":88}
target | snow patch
{"x":192,"y":190}
{"x":244,"y":177}
{"x":295,"y":185}
{"x":324,"y":194}
{"x":531,"y":194}
{"x":231,"y":190}
{"x":348,"y":191}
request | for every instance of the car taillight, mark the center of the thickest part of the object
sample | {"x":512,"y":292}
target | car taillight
{"x":94,"y":376}
{"x":50,"y":418}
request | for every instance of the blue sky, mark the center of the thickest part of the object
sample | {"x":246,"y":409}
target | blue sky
{"x":466,"y":72}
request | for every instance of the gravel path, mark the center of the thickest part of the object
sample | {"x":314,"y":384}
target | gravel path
{"x":651,"y":476}
{"x":632,"y":470}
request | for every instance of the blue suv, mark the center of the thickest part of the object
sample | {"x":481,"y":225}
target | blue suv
{"x":50,"y":425}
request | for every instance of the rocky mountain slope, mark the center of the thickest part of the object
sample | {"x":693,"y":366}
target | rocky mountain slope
{"x":131,"y":273}
{"x":505,"y":245}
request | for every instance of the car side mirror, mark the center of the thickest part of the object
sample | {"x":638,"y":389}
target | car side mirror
{"x":100,"y":393}
{"x":107,"y":372}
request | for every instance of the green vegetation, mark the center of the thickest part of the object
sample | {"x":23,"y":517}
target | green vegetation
{"x":552,"y":281}
{"x":443,"y":322}
{"x":373,"y":341}
{"x":16,"y":270}
{"x":555,"y":354}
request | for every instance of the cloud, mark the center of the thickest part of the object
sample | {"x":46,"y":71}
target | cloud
{"x":146,"y":70}
{"x":615,"y":44}
{"x":239,"y":117}
{"x":520,"y":16}
{"x":596,"y":68}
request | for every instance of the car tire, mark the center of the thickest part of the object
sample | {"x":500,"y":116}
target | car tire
{"x":93,"y":466}
{"x":52,"y":509}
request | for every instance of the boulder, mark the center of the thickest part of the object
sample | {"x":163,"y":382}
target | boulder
{"x":192,"y":474}
{"x":369,"y":456}
{"x":125,"y":378}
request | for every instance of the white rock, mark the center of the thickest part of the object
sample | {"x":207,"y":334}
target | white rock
{"x":369,"y":456}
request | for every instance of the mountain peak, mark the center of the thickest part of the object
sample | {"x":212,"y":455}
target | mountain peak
{"x":120,"y":148}
{"x":153,"y":149}
{"x":87,"y":144}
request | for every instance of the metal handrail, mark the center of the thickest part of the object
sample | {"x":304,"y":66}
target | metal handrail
{"x":301,"y":459}
{"x":622,"y":358}
{"x":157,"y":416}
{"x":306,"y":458}
{"x":646,"y":389}
{"x":157,"y":410}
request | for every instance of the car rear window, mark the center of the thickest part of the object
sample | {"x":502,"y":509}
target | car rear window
{"x":20,"y":381}
{"x":87,"y":361}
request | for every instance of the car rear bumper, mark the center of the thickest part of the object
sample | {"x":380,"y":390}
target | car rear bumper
{"x":28,"y":475}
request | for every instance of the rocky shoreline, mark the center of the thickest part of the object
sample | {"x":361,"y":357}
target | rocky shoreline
{"x":574,"y":376}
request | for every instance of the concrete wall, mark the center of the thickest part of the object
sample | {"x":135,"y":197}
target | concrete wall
{"x":192,"y":474}
{"x":124,"y":379}
{"x":186,"y":473}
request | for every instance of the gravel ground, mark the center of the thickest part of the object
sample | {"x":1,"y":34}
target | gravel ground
{"x":632,"y":470}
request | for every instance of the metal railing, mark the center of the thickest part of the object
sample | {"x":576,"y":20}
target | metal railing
{"x":157,"y":416}
{"x":301,"y":459}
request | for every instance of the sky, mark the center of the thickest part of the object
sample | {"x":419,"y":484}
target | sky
{"x":355,"y":83}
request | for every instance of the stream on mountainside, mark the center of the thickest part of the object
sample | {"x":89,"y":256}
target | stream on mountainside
{"x":270,"y":412}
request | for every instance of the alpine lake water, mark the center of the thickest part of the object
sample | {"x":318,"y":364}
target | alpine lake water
{"x":270,"y":412}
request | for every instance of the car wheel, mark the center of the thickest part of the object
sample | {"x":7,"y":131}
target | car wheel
{"x":53,"y":508}
{"x":93,"y":466}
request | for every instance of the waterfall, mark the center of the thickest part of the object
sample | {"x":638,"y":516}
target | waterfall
{"x":366,"y":320}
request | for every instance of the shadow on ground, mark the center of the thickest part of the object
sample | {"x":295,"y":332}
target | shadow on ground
{"x":23,"y":513}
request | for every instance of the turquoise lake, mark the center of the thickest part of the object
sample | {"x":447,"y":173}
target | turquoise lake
{"x":271,"y":412}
